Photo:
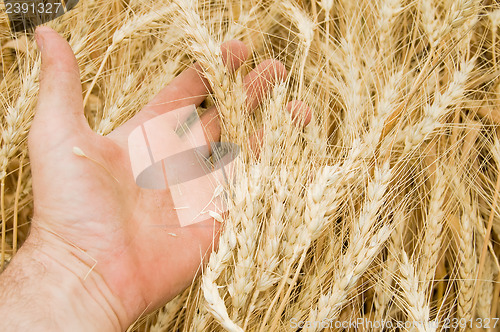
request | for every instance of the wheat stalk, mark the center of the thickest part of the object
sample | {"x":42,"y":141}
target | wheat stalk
{"x":385,"y":207}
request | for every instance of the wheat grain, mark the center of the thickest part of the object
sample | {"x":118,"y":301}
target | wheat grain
{"x":215,"y":305}
{"x":248,"y":202}
{"x":414,"y":298}
{"x":431,"y":243}
{"x":388,"y":13}
{"x":360,"y":251}
{"x":403,"y":98}
{"x":434,"y":112}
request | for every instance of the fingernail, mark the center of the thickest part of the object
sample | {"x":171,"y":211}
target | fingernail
{"x":39,"y":38}
{"x":40,"y":34}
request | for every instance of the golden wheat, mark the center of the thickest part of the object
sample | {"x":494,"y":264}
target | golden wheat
{"x":383,"y":208}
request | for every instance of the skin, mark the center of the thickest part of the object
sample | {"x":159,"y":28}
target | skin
{"x":92,"y":260}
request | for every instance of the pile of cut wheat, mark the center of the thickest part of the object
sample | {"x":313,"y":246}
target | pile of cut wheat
{"x":383,"y":210}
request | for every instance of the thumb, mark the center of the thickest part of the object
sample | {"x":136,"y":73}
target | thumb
{"x":59,"y":111}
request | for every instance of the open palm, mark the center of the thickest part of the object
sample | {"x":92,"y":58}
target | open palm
{"x":93,"y":205}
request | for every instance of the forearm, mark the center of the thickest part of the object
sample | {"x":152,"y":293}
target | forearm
{"x":48,"y":289}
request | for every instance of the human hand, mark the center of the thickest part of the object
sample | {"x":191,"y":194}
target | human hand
{"x":92,"y":223}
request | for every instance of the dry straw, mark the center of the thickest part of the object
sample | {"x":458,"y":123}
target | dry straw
{"x":385,"y":207}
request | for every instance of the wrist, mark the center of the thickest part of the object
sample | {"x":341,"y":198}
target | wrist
{"x":54,"y":287}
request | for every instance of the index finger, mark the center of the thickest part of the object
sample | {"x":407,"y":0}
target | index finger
{"x":190,"y":87}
